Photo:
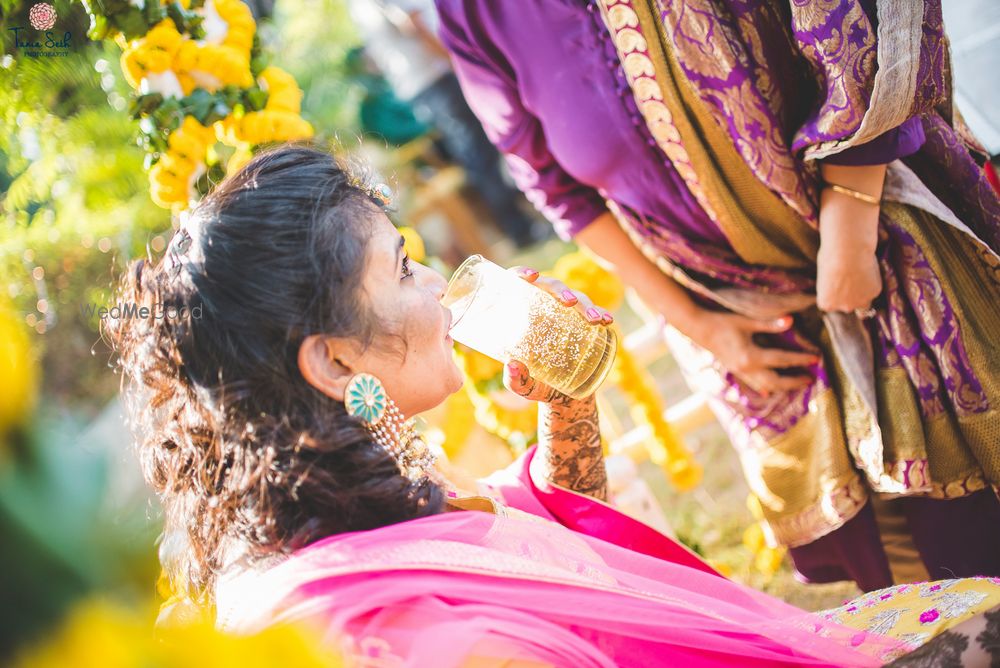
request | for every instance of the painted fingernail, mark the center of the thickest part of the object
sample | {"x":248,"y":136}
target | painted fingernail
{"x":514,"y":369}
{"x":528,"y":271}
{"x":593,"y":314}
{"x":609,"y":318}
{"x":568,"y":296}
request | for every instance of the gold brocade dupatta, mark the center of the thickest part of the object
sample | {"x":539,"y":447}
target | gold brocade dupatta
{"x":807,"y":477}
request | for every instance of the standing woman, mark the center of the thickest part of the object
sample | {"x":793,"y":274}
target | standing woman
{"x":787,"y":183}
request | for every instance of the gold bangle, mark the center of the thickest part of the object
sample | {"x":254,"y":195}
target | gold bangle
{"x":864,"y":197}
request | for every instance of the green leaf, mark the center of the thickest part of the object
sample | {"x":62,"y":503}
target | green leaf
{"x":98,"y":29}
{"x":132,"y":23}
{"x":144,"y":104}
{"x":256,"y":98}
{"x":199,"y":104}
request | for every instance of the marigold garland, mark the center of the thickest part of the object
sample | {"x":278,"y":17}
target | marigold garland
{"x":173,"y":177}
{"x":495,"y":407}
{"x":757,"y":538}
{"x":511,"y":418}
{"x":666,"y":449}
{"x":199,"y":77}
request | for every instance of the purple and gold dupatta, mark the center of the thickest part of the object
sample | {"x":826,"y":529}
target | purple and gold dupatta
{"x":743,"y":97}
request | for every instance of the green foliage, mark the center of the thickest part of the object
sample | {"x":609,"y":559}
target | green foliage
{"x":76,"y":201}
{"x":161,"y":115}
{"x":74,"y":207}
{"x":110,"y":17}
{"x":72,"y":520}
{"x":313,"y":37}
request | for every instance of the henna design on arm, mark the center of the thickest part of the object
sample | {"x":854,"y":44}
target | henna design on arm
{"x":942,"y":651}
{"x":569,"y":439}
{"x":989,"y":639}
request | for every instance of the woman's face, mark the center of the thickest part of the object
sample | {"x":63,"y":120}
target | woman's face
{"x":412,"y":352}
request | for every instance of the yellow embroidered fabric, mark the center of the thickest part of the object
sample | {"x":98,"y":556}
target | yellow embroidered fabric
{"x":915,"y":613}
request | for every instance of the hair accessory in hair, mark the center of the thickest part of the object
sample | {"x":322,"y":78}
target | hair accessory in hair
{"x":179,"y":249}
{"x":365,"y":398}
{"x":379,"y":192}
{"x":383,"y":193}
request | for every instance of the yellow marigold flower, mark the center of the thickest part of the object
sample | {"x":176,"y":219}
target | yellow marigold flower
{"x":240,"y":26}
{"x":753,"y":537}
{"x":152,"y":53}
{"x":172,"y":179}
{"x":228,"y":131}
{"x":238,"y":159}
{"x":580,"y":272}
{"x":258,"y":127}
{"x":685,"y":473}
{"x":99,"y":633}
{"x":166,"y":190}
{"x":768,"y":560}
{"x":137,"y":62}
{"x":176,"y":164}
{"x":198,"y":132}
{"x":223,"y":66}
{"x":186,"y":57}
{"x":459,"y":419}
{"x":413,"y":245}
{"x":163,"y":35}
{"x":478,"y":366}
{"x":722,"y":567}
{"x":187,"y":146}
{"x":186,"y":81}
{"x":131,"y":68}
{"x":283,"y":94}
{"x":18,"y":390}
{"x":666,"y":450}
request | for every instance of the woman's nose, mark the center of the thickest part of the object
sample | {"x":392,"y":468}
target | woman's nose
{"x":434,"y":282}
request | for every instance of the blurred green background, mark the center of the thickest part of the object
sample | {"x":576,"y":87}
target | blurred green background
{"x":75,"y":518}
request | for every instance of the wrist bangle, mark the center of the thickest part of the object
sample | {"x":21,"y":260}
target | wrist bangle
{"x":864,"y":197}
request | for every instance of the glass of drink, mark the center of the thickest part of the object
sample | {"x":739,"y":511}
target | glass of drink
{"x":507,"y":318}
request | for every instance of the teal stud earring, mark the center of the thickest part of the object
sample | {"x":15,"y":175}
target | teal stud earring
{"x":365,"y":398}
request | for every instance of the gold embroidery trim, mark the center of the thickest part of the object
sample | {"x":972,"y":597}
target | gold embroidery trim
{"x":761,"y":227}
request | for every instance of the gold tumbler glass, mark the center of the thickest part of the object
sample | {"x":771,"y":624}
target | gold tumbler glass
{"x":507,"y":318}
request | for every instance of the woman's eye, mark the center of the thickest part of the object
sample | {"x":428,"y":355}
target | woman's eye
{"x":406,"y":267}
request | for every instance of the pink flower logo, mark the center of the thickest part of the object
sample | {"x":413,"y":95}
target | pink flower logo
{"x":42,"y":16}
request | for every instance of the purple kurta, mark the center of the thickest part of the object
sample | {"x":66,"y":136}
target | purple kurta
{"x":542,"y":75}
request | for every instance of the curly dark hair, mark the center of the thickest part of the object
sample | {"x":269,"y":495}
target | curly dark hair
{"x":235,"y":442}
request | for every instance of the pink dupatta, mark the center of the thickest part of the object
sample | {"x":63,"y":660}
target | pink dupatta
{"x":446,"y":589}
